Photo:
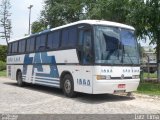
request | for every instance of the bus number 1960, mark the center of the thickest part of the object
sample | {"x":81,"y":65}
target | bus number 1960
{"x":83,"y":82}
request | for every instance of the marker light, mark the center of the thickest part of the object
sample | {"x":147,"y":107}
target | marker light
{"x":103,"y":77}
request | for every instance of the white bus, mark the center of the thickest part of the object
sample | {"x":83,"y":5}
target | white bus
{"x":88,"y":56}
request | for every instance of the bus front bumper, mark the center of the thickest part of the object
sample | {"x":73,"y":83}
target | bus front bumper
{"x":115,"y":86}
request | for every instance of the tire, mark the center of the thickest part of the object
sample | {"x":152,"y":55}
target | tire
{"x":68,"y":86}
{"x":20,"y":83}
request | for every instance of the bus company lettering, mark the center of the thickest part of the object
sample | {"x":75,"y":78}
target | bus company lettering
{"x":83,"y":82}
{"x":14,"y":59}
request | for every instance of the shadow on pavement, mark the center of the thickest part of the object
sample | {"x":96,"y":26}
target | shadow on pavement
{"x":84,"y":98}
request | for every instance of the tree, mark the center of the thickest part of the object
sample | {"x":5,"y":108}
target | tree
{"x":145,"y":17}
{"x":38,"y":26}
{"x":5,"y":21}
{"x":153,"y":27}
{"x":56,"y":13}
{"x":111,"y":10}
{"x":3,"y":52}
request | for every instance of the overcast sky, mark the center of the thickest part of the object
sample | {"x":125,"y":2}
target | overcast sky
{"x":20,"y":16}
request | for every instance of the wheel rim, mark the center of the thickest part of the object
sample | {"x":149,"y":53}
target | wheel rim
{"x":67,"y":86}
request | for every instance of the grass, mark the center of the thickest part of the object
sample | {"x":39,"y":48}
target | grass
{"x":3,"y":73}
{"x":152,"y":75}
{"x":149,"y":88}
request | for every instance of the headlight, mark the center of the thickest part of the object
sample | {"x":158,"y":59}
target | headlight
{"x":103,"y":77}
{"x":135,"y":76}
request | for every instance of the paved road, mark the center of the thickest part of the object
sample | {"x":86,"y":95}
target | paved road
{"x":41,"y":100}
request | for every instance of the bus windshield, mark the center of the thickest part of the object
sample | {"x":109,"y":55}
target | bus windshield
{"x":115,"y":45}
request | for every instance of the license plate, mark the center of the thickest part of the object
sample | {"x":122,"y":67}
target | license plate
{"x":119,"y":91}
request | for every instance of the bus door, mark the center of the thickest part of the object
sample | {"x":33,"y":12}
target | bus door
{"x":84,"y":70}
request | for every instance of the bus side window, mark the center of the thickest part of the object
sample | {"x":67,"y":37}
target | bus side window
{"x":21,"y":48}
{"x":72,"y":37}
{"x":64,"y":42}
{"x":41,"y":43}
{"x":15,"y":47}
{"x":69,"y":37}
{"x":53,"y":40}
{"x":30,"y":44}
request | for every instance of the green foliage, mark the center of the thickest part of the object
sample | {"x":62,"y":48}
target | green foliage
{"x":37,"y":27}
{"x":3,"y":73}
{"x":2,"y":65}
{"x":149,"y":88}
{"x":56,"y":13}
{"x":3,"y":52}
{"x":152,"y":26}
{"x":145,"y":17}
{"x":142,"y":51}
{"x":152,"y":75}
{"x":108,"y":10}
{"x":61,"y":12}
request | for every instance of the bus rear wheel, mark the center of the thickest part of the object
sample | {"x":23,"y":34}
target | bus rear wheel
{"x":68,"y":86}
{"x":19,"y":79}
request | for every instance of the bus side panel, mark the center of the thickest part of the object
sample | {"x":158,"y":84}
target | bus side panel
{"x":8,"y":71}
{"x":82,"y":76}
{"x":46,"y":75}
{"x":13,"y":64}
{"x":40,"y":68}
{"x":12,"y":71}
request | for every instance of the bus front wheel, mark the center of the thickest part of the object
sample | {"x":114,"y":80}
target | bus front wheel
{"x":19,"y":79}
{"x":68,"y":86}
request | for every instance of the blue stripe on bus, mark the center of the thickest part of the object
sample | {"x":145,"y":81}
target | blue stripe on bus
{"x":46,"y":79}
{"x":52,"y":81}
{"x":38,"y":60}
{"x":46,"y":82}
{"x":47,"y":59}
{"x":27,"y":59}
{"x":53,"y":71}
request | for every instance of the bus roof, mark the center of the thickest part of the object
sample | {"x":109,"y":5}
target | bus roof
{"x":91,"y":22}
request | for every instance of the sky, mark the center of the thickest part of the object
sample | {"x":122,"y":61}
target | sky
{"x":20,"y":16}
